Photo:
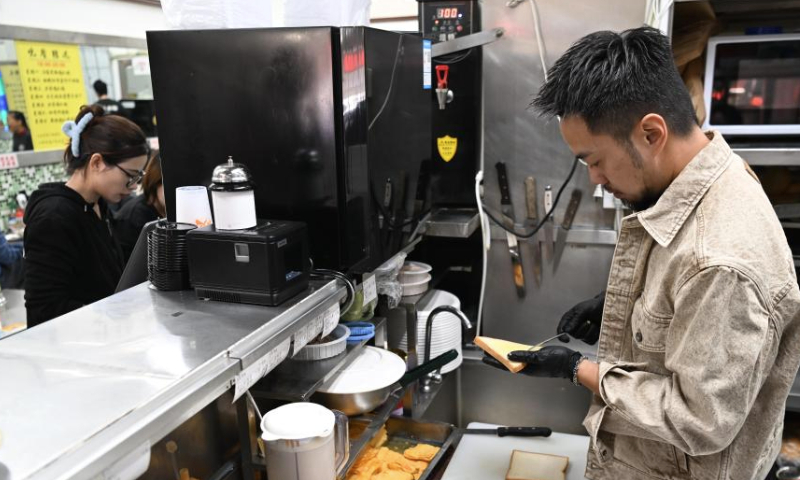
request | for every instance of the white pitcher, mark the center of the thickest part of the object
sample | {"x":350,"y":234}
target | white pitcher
{"x":305,"y":441}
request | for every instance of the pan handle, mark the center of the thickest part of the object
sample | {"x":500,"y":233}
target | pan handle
{"x":415,"y":374}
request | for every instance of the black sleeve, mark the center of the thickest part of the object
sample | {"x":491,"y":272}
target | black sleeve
{"x":51,"y":266}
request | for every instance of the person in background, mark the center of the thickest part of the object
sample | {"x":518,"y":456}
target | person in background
{"x":10,"y":257}
{"x":138,"y":211}
{"x":19,"y":129}
{"x":6,"y":139}
{"x":71,"y":256}
{"x":111,"y":107}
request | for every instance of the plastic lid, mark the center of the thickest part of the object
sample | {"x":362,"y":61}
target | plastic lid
{"x":297,"y":421}
{"x":374,"y":368}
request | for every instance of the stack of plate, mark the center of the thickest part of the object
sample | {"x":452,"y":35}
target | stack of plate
{"x":445,"y":332}
{"x":167,"y":260}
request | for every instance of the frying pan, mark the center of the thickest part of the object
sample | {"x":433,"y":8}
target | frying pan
{"x":348,"y":394}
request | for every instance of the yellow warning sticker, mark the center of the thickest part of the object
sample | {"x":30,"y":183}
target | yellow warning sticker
{"x":447,"y":146}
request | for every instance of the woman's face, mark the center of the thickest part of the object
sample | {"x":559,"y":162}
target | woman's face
{"x":115,"y":182}
{"x":13,"y":123}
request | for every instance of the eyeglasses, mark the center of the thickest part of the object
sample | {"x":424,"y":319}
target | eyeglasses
{"x":135,"y":176}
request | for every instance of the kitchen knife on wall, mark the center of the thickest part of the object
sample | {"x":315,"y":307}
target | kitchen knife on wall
{"x":533,"y":216}
{"x":511,"y":431}
{"x":508,"y":221}
{"x":548,"y":225}
{"x":566,"y":224}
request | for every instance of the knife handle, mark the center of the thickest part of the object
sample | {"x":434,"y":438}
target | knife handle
{"x":530,"y":198}
{"x":548,"y":199}
{"x":572,"y":208}
{"x":502,"y":180}
{"x":523,"y":432}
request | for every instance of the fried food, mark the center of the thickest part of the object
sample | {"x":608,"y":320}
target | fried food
{"x":381,"y":463}
{"x":380,"y":438}
{"x":423,"y":452}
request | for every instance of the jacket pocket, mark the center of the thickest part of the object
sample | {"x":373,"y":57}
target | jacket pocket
{"x":654,"y":459}
{"x":708,"y":467}
{"x":649,"y":332}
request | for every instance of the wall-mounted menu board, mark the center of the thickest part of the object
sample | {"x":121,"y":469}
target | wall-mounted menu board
{"x":52,"y":79}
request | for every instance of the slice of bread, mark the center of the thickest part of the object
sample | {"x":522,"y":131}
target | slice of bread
{"x":536,"y":466}
{"x":500,"y":349}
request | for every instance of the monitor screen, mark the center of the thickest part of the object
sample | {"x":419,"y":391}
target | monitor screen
{"x":756,"y":83}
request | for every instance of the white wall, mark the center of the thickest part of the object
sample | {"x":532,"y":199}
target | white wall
{"x":393,"y":8}
{"x":393,"y":15}
{"x":130,"y":19}
{"x":104,"y":17}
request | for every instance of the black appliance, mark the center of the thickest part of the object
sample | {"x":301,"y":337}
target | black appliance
{"x":263,"y":265}
{"x":325,"y":118}
{"x":452,"y":178}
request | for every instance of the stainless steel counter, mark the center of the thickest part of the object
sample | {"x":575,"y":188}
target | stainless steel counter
{"x":84,"y":390}
{"x":13,"y":316}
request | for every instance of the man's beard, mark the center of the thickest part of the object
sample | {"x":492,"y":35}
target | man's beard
{"x":649,"y":198}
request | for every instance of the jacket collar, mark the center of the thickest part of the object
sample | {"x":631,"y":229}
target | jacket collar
{"x":664,"y":219}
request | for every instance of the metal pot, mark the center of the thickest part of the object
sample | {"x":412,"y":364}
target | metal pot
{"x":365,"y":401}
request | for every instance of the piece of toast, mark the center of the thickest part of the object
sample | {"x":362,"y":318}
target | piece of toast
{"x":499,"y":349}
{"x":536,"y":466}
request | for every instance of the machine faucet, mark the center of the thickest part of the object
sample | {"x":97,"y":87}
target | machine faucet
{"x":466,"y":324}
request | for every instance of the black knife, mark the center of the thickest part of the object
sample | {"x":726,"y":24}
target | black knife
{"x":510,"y":431}
{"x":508,"y":221}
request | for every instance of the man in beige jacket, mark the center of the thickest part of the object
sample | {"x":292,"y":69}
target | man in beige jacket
{"x":698,"y":330}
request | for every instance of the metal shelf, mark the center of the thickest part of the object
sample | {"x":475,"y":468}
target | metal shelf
{"x":452,"y":223}
{"x":297,"y":380}
{"x":770,"y":157}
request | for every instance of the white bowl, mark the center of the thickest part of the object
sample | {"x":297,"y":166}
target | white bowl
{"x":414,"y":272}
{"x":417,"y":286}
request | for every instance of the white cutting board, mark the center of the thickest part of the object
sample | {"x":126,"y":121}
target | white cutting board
{"x":486,"y":457}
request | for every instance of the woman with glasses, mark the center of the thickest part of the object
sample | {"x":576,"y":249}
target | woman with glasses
{"x":149,"y":206}
{"x":72,"y":258}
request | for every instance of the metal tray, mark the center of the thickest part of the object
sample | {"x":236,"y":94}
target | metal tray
{"x":404,"y":433}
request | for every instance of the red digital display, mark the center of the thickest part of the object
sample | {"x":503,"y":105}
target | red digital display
{"x":451,"y":12}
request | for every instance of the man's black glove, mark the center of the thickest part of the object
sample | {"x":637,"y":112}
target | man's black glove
{"x":555,"y":362}
{"x":583,"y":320}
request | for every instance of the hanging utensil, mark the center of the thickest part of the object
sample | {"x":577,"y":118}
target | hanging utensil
{"x":508,"y":221}
{"x":566,"y":224}
{"x":533,"y":216}
{"x":548,"y":225}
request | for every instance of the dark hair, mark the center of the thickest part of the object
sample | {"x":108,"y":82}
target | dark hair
{"x":114,"y":137}
{"x":100,"y":88}
{"x":152,"y":179}
{"x":611,"y":80}
{"x":20,"y":117}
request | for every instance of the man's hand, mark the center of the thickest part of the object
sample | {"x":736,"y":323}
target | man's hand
{"x":554,"y":362}
{"x":583,"y":320}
